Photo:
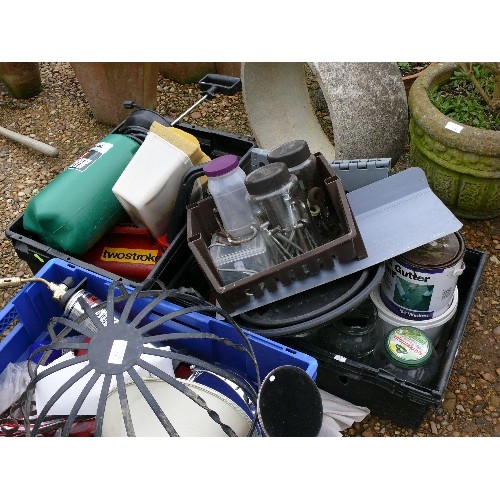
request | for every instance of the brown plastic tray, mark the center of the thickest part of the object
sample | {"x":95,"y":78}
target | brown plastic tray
{"x":201,"y":224}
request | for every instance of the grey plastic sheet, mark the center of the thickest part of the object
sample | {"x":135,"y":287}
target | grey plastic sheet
{"x":394,"y":215}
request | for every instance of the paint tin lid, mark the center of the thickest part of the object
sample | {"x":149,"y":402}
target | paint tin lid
{"x":437,"y":253}
{"x":407,"y":347}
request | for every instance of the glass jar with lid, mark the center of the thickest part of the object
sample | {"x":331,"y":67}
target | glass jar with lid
{"x":353,"y":334}
{"x":408,"y":354}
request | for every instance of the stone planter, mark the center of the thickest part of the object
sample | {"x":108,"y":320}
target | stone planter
{"x":462,"y":163}
{"x":107,"y":84}
{"x":22,"y":79}
{"x":409,"y":79}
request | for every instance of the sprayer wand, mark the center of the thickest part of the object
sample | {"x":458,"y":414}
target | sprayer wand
{"x":58,"y":290}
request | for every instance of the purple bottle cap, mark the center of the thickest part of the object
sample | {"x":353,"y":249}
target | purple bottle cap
{"x":221,"y":165}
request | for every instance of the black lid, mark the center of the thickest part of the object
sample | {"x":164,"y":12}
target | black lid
{"x":267,"y":178}
{"x":291,"y":153}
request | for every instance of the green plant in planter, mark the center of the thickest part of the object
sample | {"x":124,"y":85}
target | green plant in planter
{"x":472,"y":96}
{"x":405,"y":68}
{"x":457,"y":142}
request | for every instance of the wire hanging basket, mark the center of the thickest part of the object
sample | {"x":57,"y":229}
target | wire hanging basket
{"x":123,"y":360}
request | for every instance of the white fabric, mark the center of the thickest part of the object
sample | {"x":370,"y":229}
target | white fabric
{"x":339,"y":414}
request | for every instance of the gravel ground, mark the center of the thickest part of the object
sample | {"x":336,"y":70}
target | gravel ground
{"x":60,"y":116}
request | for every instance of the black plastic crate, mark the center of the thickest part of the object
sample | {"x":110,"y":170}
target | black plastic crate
{"x":177,"y":266}
{"x":404,"y":403}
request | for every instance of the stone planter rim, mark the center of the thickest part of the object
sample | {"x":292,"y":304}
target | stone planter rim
{"x":432,"y":121}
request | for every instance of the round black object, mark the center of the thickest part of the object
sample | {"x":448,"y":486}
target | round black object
{"x":291,"y":153}
{"x":312,"y":308}
{"x":289,"y":404}
{"x":267,"y":179}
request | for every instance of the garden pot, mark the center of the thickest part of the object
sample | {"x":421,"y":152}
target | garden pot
{"x":461,"y":163}
{"x":186,"y":72}
{"x":107,"y":84}
{"x":22,"y":79}
{"x":409,"y":79}
{"x":228,"y":68}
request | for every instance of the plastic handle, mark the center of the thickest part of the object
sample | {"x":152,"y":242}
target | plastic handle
{"x":212,"y":84}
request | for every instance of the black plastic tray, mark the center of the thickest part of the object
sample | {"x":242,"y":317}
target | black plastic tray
{"x":177,"y":266}
{"x":402,"y":402}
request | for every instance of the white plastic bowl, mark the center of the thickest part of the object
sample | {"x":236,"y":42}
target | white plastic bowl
{"x":187,"y":418}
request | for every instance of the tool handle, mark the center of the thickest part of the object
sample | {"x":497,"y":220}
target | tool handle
{"x":213,"y":84}
{"x":30,"y":142}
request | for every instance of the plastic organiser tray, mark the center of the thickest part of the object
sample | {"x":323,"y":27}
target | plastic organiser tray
{"x":176,"y":267}
{"x":404,"y":403}
{"x":201,"y":224}
{"x":29,"y":312}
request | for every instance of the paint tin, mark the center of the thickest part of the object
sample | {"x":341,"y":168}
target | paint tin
{"x":435,"y":328}
{"x":419,"y":284}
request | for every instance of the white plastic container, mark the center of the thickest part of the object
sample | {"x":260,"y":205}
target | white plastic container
{"x":47,"y":386}
{"x":434,"y":327}
{"x":226,"y":183}
{"x":148,"y":187}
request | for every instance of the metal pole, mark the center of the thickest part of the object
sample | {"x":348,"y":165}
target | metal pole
{"x":197,"y":103}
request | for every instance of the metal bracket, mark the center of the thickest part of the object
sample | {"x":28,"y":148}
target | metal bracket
{"x":258,"y":158}
{"x":355,"y":174}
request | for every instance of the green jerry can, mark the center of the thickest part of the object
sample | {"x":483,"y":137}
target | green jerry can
{"x":78,"y":207}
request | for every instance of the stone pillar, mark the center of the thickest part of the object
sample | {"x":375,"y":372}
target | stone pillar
{"x":107,"y":84}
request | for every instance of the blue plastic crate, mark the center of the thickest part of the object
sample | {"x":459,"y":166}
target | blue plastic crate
{"x":29,"y":312}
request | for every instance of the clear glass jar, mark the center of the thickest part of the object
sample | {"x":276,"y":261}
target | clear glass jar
{"x":408,"y":354}
{"x":353,"y":335}
{"x":279,"y":204}
{"x":297,"y":156}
